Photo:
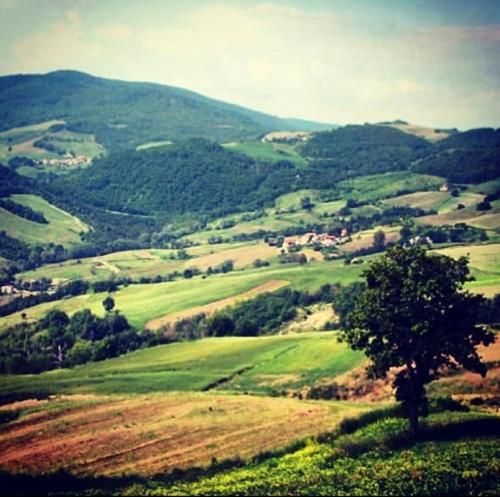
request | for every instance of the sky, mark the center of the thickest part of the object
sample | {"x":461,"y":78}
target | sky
{"x":430,"y":62}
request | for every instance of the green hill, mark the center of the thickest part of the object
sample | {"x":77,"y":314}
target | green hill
{"x":469,"y":157}
{"x":126,"y":114}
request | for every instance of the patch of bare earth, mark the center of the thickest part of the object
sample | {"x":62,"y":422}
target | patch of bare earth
{"x":146,"y":435}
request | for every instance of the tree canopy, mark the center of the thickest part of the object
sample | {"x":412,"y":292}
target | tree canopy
{"x":414,"y":315}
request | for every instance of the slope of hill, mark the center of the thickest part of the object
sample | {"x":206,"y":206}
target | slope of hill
{"x":365,"y":149}
{"x":196,"y":176}
{"x":469,"y":157}
{"x":125,"y":114}
{"x":60,"y":228}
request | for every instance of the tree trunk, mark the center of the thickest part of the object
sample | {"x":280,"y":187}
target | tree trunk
{"x":413,"y":417}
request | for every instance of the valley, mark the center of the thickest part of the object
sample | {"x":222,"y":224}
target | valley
{"x":177,"y":274}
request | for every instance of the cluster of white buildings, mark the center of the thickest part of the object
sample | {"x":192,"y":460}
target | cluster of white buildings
{"x":322,"y":239}
{"x":67,"y":161}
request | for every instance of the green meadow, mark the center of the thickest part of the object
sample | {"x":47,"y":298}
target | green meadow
{"x":270,"y":364}
{"x":142,"y":303}
{"x":62,"y":227}
{"x":270,"y":152}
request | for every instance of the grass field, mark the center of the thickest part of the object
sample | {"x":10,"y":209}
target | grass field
{"x":379,"y":186}
{"x":236,"y":364}
{"x":151,"y":262}
{"x":142,"y":303}
{"x":148,"y":435}
{"x":483,"y":257}
{"x":270,"y":152}
{"x":22,"y":143}
{"x":76,"y":143}
{"x":21,"y":139}
{"x":489,"y":220}
{"x":62,"y":227}
{"x":145,"y":146}
{"x":422,"y":200}
{"x":421,"y":131}
{"x":374,"y":460}
{"x":217,"y":305}
{"x":364,"y":239}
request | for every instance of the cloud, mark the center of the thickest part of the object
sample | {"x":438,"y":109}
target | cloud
{"x":64,"y":44}
{"x":115,"y":32}
{"x":281,"y":59}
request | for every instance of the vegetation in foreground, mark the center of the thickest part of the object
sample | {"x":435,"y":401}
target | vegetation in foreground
{"x":370,"y":454}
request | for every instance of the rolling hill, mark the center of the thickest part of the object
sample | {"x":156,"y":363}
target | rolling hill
{"x":123,"y":115}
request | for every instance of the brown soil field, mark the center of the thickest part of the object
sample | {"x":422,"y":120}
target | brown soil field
{"x":487,"y":219}
{"x":241,"y":256}
{"x":364,"y":239}
{"x":147,"y":435}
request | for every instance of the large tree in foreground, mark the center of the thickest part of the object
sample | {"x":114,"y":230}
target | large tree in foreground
{"x":415,"y":316}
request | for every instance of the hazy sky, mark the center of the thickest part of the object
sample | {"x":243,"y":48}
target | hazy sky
{"x":432,"y":62}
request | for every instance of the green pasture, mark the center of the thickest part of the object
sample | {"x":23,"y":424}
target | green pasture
{"x":379,"y":186}
{"x":270,"y":152}
{"x":145,"y":146}
{"x":138,"y":263}
{"x":141,"y":303}
{"x":196,"y":365}
{"x":62,"y":227}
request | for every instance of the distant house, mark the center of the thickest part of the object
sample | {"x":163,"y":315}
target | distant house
{"x":8,"y":289}
{"x":445,"y":187}
{"x":420,"y":240}
{"x":309,"y":239}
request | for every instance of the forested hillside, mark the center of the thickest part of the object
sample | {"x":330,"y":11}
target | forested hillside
{"x":469,"y":157}
{"x":122,"y":114}
{"x":365,"y":149}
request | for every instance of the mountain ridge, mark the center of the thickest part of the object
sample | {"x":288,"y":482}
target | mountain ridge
{"x":124,"y":114}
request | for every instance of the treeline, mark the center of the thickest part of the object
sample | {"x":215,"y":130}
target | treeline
{"x":22,"y":211}
{"x":59,"y":341}
{"x":457,"y":233}
{"x":262,"y":315}
{"x":70,"y":289}
{"x":469,"y":157}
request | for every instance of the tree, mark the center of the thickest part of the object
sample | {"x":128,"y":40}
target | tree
{"x":108,"y":303}
{"x":306,"y":204}
{"x":415,"y":316}
{"x":220,"y":325}
{"x":379,"y":240}
{"x":483,"y":206}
